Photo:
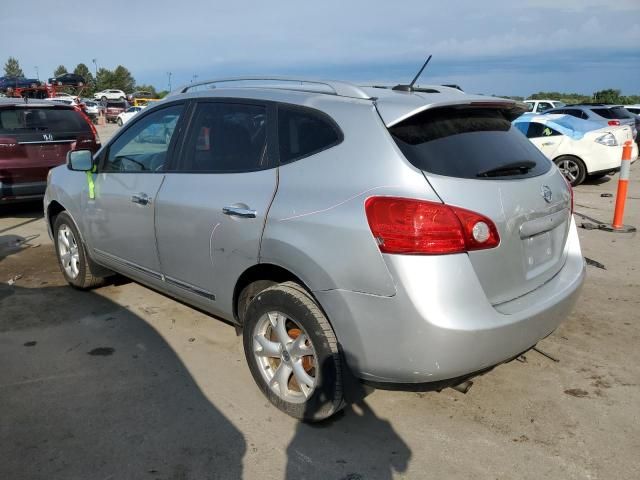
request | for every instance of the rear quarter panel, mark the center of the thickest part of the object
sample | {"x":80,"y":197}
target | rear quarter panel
{"x":317,"y":226}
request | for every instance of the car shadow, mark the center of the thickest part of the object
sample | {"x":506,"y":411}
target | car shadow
{"x":352,"y":445}
{"x":90,"y":390}
{"x":31,"y":209}
{"x":597,"y":180}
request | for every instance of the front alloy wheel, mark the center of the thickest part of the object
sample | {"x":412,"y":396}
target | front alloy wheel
{"x":68,"y":251}
{"x":572,"y":168}
{"x":74,"y":263}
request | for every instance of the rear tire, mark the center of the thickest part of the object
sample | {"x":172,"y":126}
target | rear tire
{"x":572,"y":168}
{"x":75,"y":265}
{"x":293,"y":353}
{"x":104,"y":99}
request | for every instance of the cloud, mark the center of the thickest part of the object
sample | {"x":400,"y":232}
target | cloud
{"x":205,"y":38}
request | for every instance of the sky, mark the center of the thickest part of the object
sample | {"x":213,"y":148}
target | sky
{"x":495,"y":47}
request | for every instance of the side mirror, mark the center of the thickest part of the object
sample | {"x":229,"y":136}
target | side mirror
{"x":80,"y":160}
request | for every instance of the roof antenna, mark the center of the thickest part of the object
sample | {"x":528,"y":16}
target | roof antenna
{"x":409,"y":88}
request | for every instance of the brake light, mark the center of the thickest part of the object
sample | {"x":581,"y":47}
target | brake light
{"x":613,"y":123}
{"x":91,"y":125}
{"x":570,"y":191}
{"x":418,"y":227}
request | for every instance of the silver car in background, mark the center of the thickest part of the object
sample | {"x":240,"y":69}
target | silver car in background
{"x":411,"y":238}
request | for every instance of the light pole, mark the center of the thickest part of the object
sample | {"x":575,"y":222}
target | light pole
{"x":37,"y":73}
{"x":169,"y":75}
{"x":95,"y":64}
{"x":194,"y":78}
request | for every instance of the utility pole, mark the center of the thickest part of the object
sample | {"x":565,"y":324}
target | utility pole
{"x":194,"y":78}
{"x":169,"y":75}
{"x":95,"y":64}
{"x":37,"y":73}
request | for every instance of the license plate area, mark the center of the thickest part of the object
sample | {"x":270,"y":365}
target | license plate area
{"x":539,"y":252}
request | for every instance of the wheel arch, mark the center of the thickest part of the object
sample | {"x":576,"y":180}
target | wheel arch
{"x":262,"y":272}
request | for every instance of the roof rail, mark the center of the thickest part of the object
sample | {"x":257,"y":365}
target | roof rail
{"x":330,"y":87}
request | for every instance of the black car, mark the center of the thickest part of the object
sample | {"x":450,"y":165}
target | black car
{"x":70,"y":79}
{"x":18,"y":82}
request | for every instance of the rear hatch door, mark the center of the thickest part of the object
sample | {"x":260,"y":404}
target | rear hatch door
{"x":474,"y":158}
{"x":40,"y":138}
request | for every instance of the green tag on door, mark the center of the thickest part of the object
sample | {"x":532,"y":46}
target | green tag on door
{"x":90,"y":184}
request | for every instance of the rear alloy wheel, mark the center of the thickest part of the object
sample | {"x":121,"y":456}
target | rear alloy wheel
{"x":572,"y":168}
{"x":292,"y":353}
{"x":72,"y":256}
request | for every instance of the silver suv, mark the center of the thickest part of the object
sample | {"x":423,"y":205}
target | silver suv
{"x":409,"y":237}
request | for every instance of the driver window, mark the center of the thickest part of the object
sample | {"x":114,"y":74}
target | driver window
{"x":143,"y":146}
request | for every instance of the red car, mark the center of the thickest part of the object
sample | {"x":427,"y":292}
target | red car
{"x":113,"y":109}
{"x":35,"y":136}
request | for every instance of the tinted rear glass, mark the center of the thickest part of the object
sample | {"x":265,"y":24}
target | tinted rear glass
{"x":23,"y":120}
{"x":464,"y":142}
{"x":304,"y":132}
{"x":612,"y":113}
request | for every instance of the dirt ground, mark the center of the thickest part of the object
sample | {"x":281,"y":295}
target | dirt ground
{"x":124,"y":383}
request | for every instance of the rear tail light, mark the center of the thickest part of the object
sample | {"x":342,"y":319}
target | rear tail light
{"x":570,"y":191}
{"x":607,"y":139}
{"x":418,"y":227}
{"x":91,"y":125}
{"x":613,"y":123}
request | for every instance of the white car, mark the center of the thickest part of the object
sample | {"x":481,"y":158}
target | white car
{"x":539,"y":106}
{"x":579,"y":148}
{"x":635,"y":109}
{"x":110,"y":94}
{"x":125,"y":116}
{"x":67,"y":96}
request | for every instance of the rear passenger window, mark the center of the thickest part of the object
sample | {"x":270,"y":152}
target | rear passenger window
{"x":537,"y":130}
{"x":304,"y":132}
{"x":226,"y":138}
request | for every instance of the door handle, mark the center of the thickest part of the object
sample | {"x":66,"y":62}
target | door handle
{"x":239,"y":212}
{"x":140,"y":198}
{"x":547,"y":144}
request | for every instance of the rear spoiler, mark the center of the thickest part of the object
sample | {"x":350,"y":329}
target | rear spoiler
{"x":511,"y":108}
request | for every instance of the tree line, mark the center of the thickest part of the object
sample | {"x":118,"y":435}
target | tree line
{"x":609,"y":95}
{"x":119,"y":78}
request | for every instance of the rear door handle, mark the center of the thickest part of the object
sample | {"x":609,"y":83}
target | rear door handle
{"x":141,"y":198}
{"x":239,"y":212}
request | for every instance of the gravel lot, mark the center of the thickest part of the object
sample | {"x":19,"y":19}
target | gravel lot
{"x":124,"y":383}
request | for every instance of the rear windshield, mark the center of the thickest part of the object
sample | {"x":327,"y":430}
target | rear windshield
{"x":22,"y":120}
{"x":612,"y":113}
{"x":468,"y":143}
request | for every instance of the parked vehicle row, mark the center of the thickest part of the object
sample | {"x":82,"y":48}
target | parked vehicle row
{"x":413,"y":237}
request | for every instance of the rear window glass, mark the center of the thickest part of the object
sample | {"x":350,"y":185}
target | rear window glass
{"x":304,"y":132}
{"x":612,"y":113}
{"x":21,"y":120}
{"x":467,"y":143}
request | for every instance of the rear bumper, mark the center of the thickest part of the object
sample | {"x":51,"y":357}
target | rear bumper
{"x":440,"y":324}
{"x":18,"y":192}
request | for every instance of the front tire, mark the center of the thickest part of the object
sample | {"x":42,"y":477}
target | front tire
{"x":572,"y":168}
{"x":119,"y":122}
{"x":74,"y":263}
{"x":104,"y":99}
{"x":293,"y":354}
